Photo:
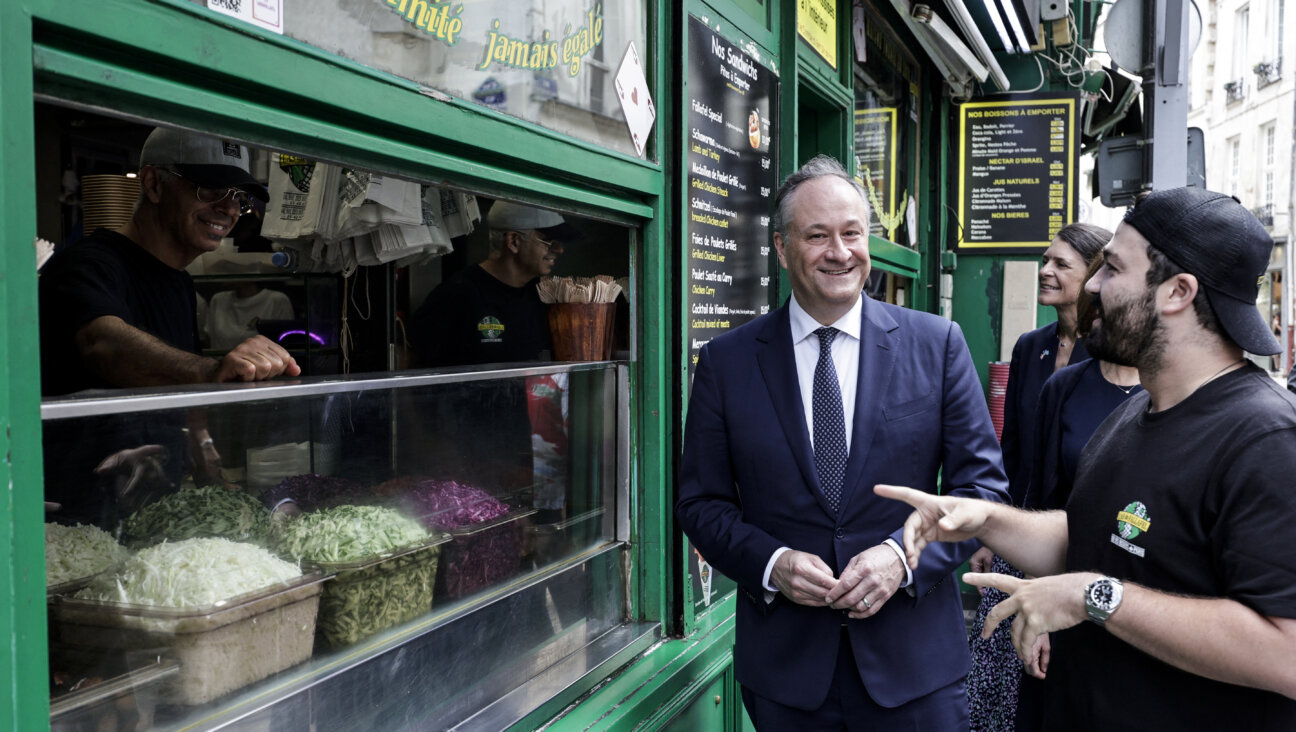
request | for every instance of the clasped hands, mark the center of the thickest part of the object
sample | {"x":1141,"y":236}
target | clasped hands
{"x":867,"y":582}
{"x":1042,"y":605}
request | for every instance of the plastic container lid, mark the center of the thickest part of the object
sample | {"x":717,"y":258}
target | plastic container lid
{"x":155,"y":618}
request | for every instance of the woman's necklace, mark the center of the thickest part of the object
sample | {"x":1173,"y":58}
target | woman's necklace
{"x":1127,"y":389}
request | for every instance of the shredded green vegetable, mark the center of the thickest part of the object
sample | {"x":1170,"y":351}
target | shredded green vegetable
{"x":191,"y":573}
{"x":75,"y":552}
{"x":361,"y":601}
{"x":347,"y":533}
{"x":194,"y":512}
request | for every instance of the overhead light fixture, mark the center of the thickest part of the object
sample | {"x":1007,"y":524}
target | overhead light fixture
{"x":949,"y":41}
{"x":1015,"y":23}
{"x":992,"y":9}
{"x":970,"y":31}
{"x":959,"y":75}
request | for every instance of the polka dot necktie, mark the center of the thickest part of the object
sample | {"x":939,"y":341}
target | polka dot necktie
{"x":829,"y":422}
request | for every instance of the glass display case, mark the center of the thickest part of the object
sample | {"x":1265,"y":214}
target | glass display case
{"x":335,"y":545}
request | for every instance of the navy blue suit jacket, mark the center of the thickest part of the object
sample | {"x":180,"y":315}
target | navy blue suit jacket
{"x":748,"y":486}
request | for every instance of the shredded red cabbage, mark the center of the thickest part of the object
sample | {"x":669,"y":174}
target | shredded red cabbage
{"x":448,"y":505}
{"x":473,"y":560}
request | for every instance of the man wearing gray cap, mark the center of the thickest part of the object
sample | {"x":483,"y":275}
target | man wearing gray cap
{"x":491,"y":312}
{"x":117,"y":307}
{"x":117,"y":310}
{"x":1175,"y":542}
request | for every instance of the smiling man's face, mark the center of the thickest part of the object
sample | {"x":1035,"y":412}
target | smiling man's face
{"x":537,"y":253}
{"x":825,"y":250}
{"x":195,"y":228}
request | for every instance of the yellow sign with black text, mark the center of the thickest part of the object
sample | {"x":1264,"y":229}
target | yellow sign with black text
{"x":1017,"y":171}
{"x":817,"y":26}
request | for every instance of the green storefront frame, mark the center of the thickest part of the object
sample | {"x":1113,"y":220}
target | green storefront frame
{"x":175,"y":61}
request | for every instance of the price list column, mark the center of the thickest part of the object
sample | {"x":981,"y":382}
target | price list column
{"x":1057,"y":174}
{"x":731,"y":174}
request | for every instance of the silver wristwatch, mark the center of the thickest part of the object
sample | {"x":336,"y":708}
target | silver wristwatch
{"x":1102,"y":598}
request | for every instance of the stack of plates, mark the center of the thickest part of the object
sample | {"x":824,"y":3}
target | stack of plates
{"x":107,"y":200}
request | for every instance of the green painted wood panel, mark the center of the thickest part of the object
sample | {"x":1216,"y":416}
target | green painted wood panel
{"x":711,"y":709}
{"x":23,"y":665}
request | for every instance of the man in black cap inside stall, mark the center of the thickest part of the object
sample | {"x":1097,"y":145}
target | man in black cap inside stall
{"x":117,"y":310}
{"x":1176,"y":540}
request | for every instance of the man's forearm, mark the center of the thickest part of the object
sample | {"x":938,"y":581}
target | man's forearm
{"x":1218,"y":638}
{"x":1033,"y":541}
{"x":128,"y":357}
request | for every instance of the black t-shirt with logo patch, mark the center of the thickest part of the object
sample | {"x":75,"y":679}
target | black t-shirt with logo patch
{"x":1197,"y":500}
{"x":473,"y":318}
{"x":478,"y":432}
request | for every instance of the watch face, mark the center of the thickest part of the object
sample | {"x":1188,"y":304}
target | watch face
{"x":1103,"y":597}
{"x":1101,"y":594}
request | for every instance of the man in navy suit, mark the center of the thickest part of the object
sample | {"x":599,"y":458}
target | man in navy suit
{"x":782,"y":449}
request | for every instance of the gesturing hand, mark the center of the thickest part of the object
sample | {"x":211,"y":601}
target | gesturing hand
{"x":138,"y":474}
{"x":935,"y":518}
{"x":1041,"y":605}
{"x":803,"y":578}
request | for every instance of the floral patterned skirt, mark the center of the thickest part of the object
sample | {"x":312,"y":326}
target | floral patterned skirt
{"x":995,"y":679}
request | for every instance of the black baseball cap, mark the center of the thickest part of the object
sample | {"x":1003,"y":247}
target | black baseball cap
{"x":1215,"y":238}
{"x":208,"y":161}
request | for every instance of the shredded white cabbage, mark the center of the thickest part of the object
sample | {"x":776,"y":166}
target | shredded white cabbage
{"x":191,"y":573}
{"x":74,"y":552}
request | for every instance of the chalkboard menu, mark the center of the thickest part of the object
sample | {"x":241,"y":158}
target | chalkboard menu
{"x":1017,"y":172}
{"x":730,"y":122}
{"x":731,"y":173}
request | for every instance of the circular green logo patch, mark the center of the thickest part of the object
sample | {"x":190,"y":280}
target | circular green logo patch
{"x":1133,"y":520}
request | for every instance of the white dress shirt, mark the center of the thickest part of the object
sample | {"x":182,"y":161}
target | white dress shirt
{"x":845,"y":356}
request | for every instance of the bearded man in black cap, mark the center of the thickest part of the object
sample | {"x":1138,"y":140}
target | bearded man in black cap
{"x":117,"y":307}
{"x":1176,"y":540}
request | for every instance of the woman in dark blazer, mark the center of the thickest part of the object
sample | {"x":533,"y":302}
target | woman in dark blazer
{"x":996,"y":672}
